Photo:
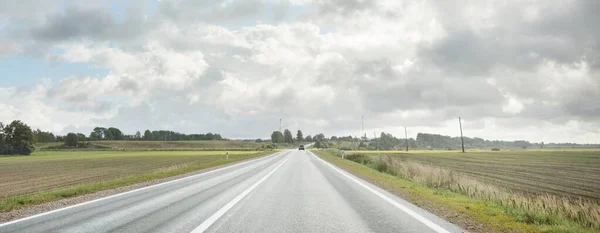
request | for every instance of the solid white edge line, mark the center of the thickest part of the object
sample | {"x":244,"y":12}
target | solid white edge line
{"x":213,"y":218}
{"x":137,"y":190}
{"x":410,"y":212}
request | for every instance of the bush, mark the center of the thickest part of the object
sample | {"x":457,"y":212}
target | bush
{"x":495,"y":149}
{"x":83,"y":145}
{"x":359,"y":158}
{"x":71,"y":140}
{"x":382,"y":166}
{"x":321,"y":144}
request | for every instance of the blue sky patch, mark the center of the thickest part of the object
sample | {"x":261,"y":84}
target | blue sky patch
{"x":21,"y":70}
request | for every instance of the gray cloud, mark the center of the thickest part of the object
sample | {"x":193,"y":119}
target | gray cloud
{"x":25,"y":10}
{"x":501,"y":66}
{"x":344,"y":7}
{"x":576,"y":25}
{"x":513,"y":38}
{"x":91,"y":23}
{"x":463,"y":52}
{"x":129,"y":84}
{"x":233,"y":13}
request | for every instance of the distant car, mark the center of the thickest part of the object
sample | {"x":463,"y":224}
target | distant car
{"x":301,"y":147}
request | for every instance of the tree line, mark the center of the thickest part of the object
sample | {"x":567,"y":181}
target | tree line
{"x":18,"y":138}
{"x":287,"y":137}
{"x":387,"y":141}
{"x":101,"y":133}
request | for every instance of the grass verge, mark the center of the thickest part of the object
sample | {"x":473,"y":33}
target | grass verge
{"x":473,"y":214}
{"x":22,"y":201}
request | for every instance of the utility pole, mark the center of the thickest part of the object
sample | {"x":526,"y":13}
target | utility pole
{"x":280,"y":125}
{"x":406,"y":138}
{"x":461,"y":135}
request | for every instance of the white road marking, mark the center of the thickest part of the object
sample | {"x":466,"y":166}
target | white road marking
{"x":136,"y":190}
{"x":212,"y":219}
{"x":415,"y":215}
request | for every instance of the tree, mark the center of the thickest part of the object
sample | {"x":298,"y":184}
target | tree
{"x":321,"y":144}
{"x":98,"y":134}
{"x":319,"y":137}
{"x":18,"y":138}
{"x":115,"y":134}
{"x":276,"y":137}
{"x":362,"y":145}
{"x":147,"y":135}
{"x":308,"y":138}
{"x":299,"y":136}
{"x":71,"y":140}
{"x":41,"y":136}
{"x":108,"y":135}
{"x":138,"y":135}
{"x":287,"y":136}
{"x":387,"y":142}
{"x":81,"y":137}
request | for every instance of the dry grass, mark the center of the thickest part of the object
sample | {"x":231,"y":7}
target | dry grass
{"x":546,"y":209}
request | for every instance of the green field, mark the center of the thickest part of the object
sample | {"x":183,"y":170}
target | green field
{"x":573,"y":173}
{"x":57,"y":170}
{"x":169,"y":145}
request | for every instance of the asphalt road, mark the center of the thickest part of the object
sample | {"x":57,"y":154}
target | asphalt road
{"x":291,"y":191}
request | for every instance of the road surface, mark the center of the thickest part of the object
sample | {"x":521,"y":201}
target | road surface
{"x":291,"y":191}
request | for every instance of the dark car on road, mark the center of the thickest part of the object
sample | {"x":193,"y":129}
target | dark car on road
{"x":301,"y":147}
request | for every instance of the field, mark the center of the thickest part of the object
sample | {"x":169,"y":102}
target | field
{"x":231,"y":145}
{"x":556,"y":189}
{"x":475,"y":205}
{"x":573,"y":173}
{"x":168,"y":145}
{"x":50,"y":170}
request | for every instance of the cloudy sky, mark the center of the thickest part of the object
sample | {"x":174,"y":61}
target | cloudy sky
{"x":512,"y":69}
